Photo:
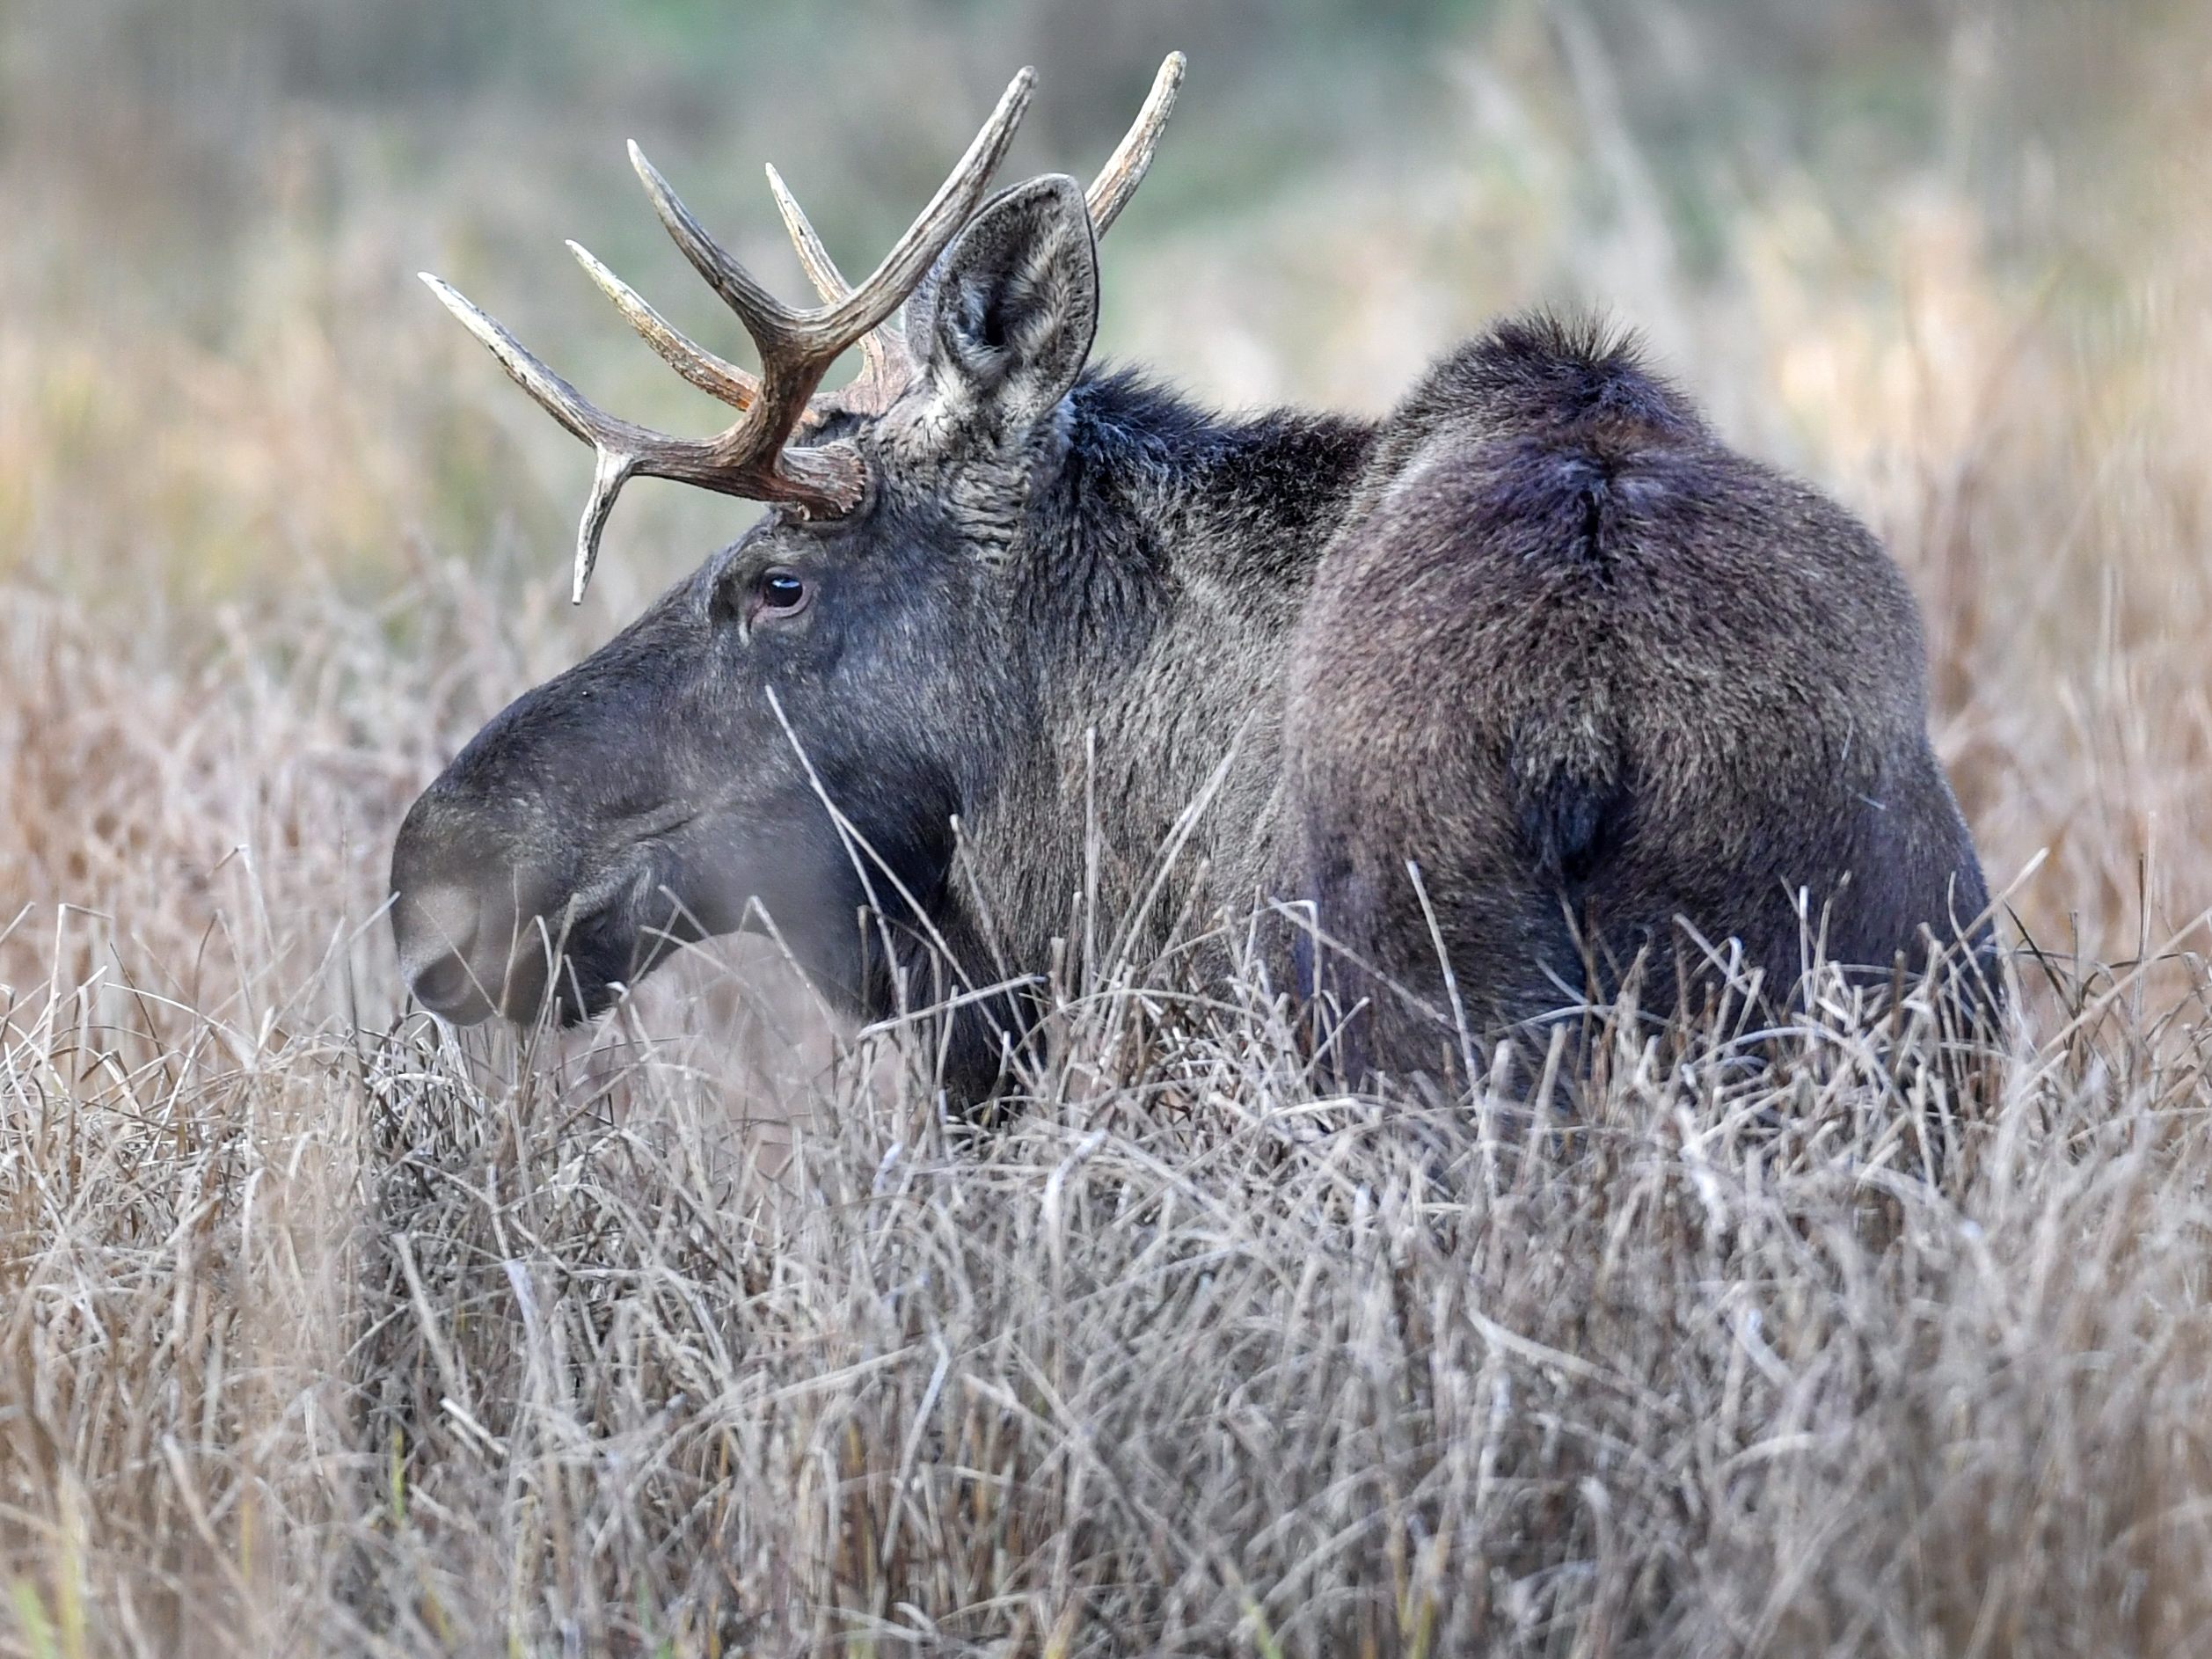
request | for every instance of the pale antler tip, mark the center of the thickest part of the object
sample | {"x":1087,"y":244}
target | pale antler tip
{"x":608,"y":281}
{"x":471,"y":315}
{"x":1132,"y":157}
{"x":646,"y":169}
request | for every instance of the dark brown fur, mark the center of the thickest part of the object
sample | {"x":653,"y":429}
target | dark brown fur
{"x":1615,"y":692}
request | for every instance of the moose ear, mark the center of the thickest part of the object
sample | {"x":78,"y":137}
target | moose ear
{"x":1011,"y":314}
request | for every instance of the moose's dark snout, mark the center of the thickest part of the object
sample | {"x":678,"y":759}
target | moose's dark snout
{"x":437,"y":932}
{"x":467,"y":912}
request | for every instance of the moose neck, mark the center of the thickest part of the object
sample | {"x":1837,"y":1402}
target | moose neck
{"x":1155,"y":585}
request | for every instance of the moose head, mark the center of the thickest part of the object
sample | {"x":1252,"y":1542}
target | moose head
{"x":789,"y":734}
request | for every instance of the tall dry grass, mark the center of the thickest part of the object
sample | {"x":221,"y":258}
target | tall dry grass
{"x":707,"y":1331}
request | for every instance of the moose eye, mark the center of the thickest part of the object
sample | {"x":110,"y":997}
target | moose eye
{"x":778,"y":592}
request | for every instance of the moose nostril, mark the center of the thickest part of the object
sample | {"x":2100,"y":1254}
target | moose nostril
{"x":436,"y":931}
{"x":447,"y":986}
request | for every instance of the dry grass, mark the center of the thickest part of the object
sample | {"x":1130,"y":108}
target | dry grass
{"x":322,"y":1332}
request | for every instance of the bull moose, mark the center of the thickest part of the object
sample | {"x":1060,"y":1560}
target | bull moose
{"x":1530,"y":689}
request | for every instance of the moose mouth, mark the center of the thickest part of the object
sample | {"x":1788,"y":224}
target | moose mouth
{"x":466,"y":960}
{"x":584,"y":965}
{"x":600,"y":957}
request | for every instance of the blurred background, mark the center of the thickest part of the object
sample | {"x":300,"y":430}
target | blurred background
{"x":275,"y":536}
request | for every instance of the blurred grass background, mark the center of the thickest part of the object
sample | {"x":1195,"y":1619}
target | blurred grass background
{"x":275,"y":537}
{"x":1949,"y":258}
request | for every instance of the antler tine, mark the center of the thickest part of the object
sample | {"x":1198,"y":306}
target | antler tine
{"x":697,"y":364}
{"x":761,"y":311}
{"x":618,"y":447}
{"x":1124,"y":168}
{"x":553,"y":394}
{"x":897,"y":275}
{"x":876,"y":366}
{"x":797,"y":337}
{"x":821,"y":270}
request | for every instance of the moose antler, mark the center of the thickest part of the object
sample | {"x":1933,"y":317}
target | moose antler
{"x":1132,"y":157}
{"x":796,"y":350}
{"x":753,"y":456}
{"x":888,"y":360}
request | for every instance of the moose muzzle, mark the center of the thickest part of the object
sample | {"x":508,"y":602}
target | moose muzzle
{"x":475,"y":924}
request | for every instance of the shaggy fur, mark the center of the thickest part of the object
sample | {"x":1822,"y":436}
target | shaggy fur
{"x":1600,"y":691}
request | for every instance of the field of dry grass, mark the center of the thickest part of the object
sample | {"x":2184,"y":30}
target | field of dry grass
{"x":322,"y":1331}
